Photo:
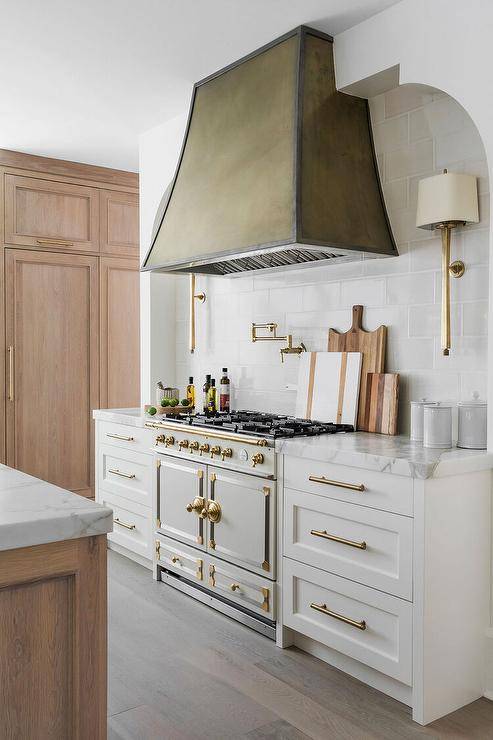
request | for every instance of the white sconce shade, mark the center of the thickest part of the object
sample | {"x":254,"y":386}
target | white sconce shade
{"x":447,"y":198}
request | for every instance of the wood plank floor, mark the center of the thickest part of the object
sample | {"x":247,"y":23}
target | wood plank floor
{"x":181,"y":671}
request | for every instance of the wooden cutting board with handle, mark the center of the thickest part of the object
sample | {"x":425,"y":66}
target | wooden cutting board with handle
{"x":372,"y":345}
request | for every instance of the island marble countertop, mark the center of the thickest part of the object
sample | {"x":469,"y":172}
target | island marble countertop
{"x":33,"y":512}
{"x":386,"y":454}
{"x":380,"y":452}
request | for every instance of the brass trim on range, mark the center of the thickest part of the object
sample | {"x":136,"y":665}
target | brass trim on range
{"x":212,"y":573}
{"x":212,"y":544}
{"x":120,"y":436}
{"x":158,"y":522}
{"x":352,"y":622}
{"x":115,"y":471}
{"x":208,"y":433}
{"x":11,"y":372}
{"x":265,"y":604}
{"x":199,"y":572}
{"x":158,"y":549}
{"x":266,"y":564}
{"x":338,"y":483}
{"x":334,"y":538}
{"x":124,"y":524}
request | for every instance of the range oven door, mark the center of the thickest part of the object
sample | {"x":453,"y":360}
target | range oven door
{"x":241,"y":520}
{"x":181,"y":499}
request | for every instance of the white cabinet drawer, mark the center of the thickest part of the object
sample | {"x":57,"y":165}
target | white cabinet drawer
{"x":179,"y":558}
{"x":136,"y":439}
{"x":246,"y":589}
{"x":125,"y":473}
{"x":132,"y":524}
{"x":365,"y":624}
{"x":366,"y":545}
{"x":354,"y":485}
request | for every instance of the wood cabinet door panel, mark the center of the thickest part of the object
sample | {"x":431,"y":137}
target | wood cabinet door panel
{"x":120,"y":333}
{"x":53,"y":328}
{"x":44,"y":213}
{"x":119,"y":233}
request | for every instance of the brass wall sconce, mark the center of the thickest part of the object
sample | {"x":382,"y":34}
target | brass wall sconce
{"x":193,"y":297}
{"x":444,"y":202}
{"x":272,"y":337}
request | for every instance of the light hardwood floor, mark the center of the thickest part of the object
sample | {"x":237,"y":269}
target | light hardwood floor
{"x":178,"y":671}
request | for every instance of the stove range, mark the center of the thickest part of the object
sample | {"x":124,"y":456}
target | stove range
{"x":257,"y":423}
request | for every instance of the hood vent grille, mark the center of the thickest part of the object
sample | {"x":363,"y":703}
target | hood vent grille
{"x":267,"y":261}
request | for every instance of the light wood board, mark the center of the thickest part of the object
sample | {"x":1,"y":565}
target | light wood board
{"x":328,"y":386}
{"x":372,"y":344}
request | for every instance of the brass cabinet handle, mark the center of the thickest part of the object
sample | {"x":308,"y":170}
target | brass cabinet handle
{"x":175,"y":559}
{"x":55,"y":242}
{"x":235,"y":587}
{"x":334,"y":538}
{"x":124,"y":524}
{"x":340,"y":484}
{"x":120,"y":436}
{"x":352,"y":622}
{"x":119,"y":472}
{"x":11,"y":372}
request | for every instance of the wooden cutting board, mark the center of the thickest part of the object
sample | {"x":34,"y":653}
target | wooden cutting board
{"x":372,"y":345}
{"x":382,"y":398}
{"x":328,"y":386}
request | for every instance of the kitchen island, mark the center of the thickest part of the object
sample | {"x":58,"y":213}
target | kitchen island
{"x":52,"y":610}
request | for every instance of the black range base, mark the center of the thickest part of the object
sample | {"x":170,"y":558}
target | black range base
{"x":271,"y":426}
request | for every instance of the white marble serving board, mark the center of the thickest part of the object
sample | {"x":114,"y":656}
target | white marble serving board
{"x":328,"y":386}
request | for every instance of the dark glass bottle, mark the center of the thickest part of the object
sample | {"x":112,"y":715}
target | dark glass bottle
{"x":205,"y":392}
{"x":212,"y":399}
{"x":224,"y":392}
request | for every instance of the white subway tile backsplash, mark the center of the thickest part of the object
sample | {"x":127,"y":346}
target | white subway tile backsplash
{"x":416,"y":134}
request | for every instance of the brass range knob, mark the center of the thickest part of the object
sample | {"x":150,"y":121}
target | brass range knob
{"x":169,"y":441}
{"x":183,"y":443}
{"x":204,"y":448}
{"x":257,"y":459}
{"x":197,"y":505}
{"x":193,"y":446}
{"x":216,"y":450}
{"x":227,"y":452}
{"x":160,"y":439}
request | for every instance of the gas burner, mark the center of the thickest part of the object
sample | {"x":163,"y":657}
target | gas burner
{"x":257,"y":423}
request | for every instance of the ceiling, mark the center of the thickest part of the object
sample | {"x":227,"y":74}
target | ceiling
{"x":81,"y":80}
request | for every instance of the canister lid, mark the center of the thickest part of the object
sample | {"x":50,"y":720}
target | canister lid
{"x":474,"y":401}
{"x":423,"y":402}
{"x":438,"y":406}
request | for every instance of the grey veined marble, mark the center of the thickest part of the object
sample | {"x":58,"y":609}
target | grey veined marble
{"x":33,"y":512}
{"x":379,"y":452}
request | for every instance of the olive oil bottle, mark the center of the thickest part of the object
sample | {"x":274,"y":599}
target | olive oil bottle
{"x":212,"y":399}
{"x":205,"y":394}
{"x":224,"y":392}
{"x":191,"y":393}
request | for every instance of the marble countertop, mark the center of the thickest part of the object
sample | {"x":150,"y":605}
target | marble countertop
{"x":379,"y":452}
{"x":33,"y":512}
{"x":397,"y":455}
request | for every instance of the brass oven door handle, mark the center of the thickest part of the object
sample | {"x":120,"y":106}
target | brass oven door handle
{"x":120,"y":473}
{"x":11,"y":372}
{"x":55,"y":242}
{"x":334,"y":538}
{"x":352,"y":622}
{"x":124,"y":524}
{"x":120,"y":436}
{"x":338,"y":483}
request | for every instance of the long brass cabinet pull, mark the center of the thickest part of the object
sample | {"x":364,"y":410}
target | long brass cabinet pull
{"x":334,"y":538}
{"x":11,"y":373}
{"x":120,"y":436}
{"x":120,"y":473}
{"x":340,"y":484}
{"x":55,"y":242}
{"x":352,"y":622}
{"x":124,"y":524}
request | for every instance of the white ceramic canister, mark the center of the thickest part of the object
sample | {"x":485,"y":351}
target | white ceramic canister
{"x":437,"y":426}
{"x":472,"y":423}
{"x":417,"y":418}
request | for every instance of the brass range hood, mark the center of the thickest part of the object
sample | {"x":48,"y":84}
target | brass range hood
{"x":277,"y":169}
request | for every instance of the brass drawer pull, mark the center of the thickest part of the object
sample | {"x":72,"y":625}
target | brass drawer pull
{"x":175,"y":559}
{"x":323,"y":609}
{"x":124,"y":524}
{"x":235,"y":587}
{"x":340,"y":484}
{"x":119,"y":472}
{"x":334,"y":538}
{"x":55,"y":242}
{"x":120,"y":436}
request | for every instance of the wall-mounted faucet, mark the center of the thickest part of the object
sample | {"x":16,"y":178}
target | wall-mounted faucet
{"x":290,"y":350}
{"x":272,"y":337}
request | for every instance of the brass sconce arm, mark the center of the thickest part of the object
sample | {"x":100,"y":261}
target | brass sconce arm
{"x":193,"y":297}
{"x":449,"y":269}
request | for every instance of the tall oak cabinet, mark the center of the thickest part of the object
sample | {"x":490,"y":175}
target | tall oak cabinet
{"x":70,"y":279}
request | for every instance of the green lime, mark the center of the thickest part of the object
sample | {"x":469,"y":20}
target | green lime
{"x":173,"y":402}
{"x":164,"y":402}
{"x":151,"y":411}
{"x":185,"y":402}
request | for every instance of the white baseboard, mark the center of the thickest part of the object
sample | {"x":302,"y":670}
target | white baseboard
{"x":129,"y":554}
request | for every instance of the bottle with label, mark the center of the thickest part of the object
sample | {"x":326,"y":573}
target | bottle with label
{"x":191,"y":393}
{"x":205,"y":391}
{"x":212,"y":399}
{"x":224,"y":392}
